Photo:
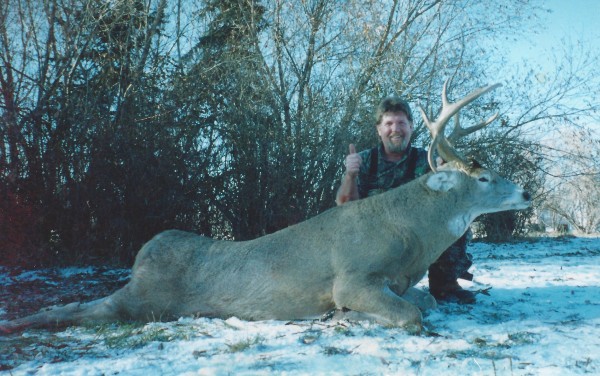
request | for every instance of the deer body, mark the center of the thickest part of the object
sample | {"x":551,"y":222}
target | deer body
{"x":307,"y":269}
{"x":364,"y":256}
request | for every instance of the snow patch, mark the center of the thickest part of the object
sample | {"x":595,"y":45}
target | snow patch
{"x":542,"y":316}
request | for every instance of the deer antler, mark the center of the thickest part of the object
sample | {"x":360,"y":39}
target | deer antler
{"x":437,"y":128}
{"x":458,"y":132}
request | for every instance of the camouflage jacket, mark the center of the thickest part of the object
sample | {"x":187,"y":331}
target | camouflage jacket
{"x":378,"y":175}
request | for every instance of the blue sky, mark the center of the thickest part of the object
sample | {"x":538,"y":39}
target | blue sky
{"x":572,"y":20}
{"x":573,"y":17}
{"x":569,"y":24}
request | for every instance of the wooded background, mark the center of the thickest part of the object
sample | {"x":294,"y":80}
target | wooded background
{"x":123,"y":118}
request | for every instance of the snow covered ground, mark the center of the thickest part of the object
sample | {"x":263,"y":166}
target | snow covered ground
{"x":542,"y":317}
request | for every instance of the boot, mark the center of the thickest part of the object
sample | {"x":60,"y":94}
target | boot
{"x":451,"y":292}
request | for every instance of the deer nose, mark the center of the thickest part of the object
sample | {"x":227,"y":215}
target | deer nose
{"x":526,"y":196}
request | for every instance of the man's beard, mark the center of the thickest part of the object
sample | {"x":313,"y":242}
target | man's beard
{"x":394,"y":147}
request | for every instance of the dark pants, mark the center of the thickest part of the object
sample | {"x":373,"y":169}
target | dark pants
{"x":453,"y":264}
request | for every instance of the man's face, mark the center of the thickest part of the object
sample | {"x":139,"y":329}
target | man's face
{"x":395,"y":131}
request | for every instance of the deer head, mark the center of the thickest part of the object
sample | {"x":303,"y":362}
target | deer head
{"x":490,"y":192}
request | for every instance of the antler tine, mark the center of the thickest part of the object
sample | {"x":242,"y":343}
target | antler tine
{"x":458,"y":132}
{"x":437,"y":128}
{"x":434,"y":139}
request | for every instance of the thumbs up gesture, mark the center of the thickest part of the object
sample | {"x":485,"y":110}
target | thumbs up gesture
{"x":353,"y":161}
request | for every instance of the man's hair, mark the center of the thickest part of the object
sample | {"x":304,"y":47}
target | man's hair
{"x":392,"y":104}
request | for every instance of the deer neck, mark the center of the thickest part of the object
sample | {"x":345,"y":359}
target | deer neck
{"x":439,"y":216}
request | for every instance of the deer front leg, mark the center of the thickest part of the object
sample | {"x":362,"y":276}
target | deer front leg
{"x":424,"y":300}
{"x":374,"y":301}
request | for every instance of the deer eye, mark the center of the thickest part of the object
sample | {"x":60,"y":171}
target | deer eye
{"x":483,"y":179}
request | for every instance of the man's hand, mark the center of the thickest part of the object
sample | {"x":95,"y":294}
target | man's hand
{"x":348,"y":191}
{"x":353,"y":162}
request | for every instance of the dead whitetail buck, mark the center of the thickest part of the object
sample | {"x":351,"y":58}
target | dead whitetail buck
{"x":364,"y":256}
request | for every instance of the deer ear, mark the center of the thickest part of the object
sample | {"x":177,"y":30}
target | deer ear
{"x":442,"y":181}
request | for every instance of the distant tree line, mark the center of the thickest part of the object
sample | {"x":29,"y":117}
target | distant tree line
{"x":120,"y":119}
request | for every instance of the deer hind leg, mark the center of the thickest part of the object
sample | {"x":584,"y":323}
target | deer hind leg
{"x":97,"y":311}
{"x":376,"y":302}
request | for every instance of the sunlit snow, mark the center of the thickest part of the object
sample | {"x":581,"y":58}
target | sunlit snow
{"x":542,"y":317}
